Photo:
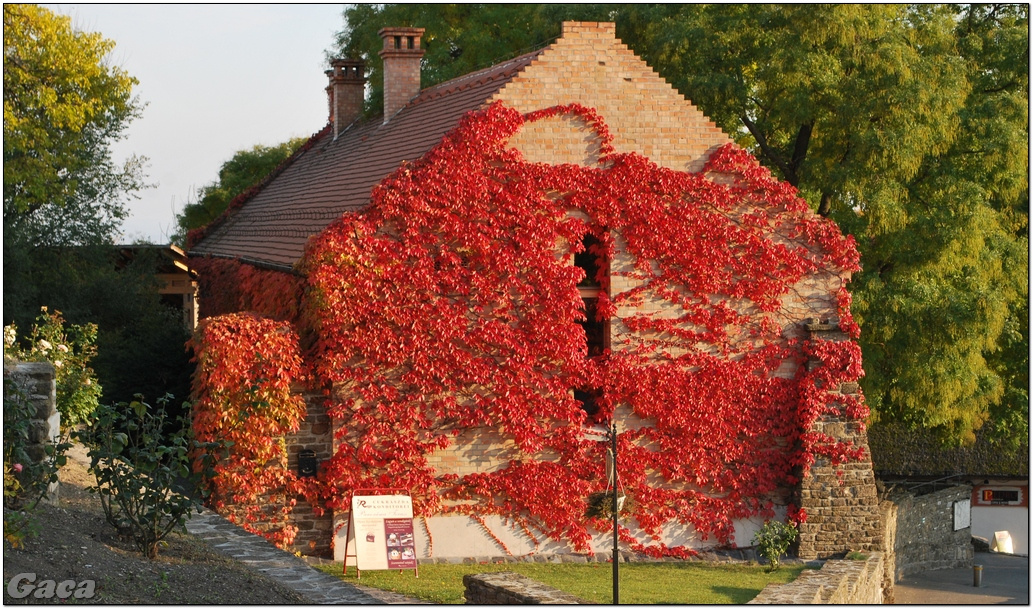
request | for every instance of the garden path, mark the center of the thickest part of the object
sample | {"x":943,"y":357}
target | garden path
{"x":288,"y":569}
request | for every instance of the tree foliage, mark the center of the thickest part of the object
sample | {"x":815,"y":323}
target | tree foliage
{"x":245,"y":169}
{"x":459,"y":38}
{"x":140,"y":340}
{"x":64,"y":202}
{"x":905,"y":124}
{"x":63,"y":108}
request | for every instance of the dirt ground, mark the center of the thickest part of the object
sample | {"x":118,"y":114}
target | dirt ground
{"x":76,"y":543}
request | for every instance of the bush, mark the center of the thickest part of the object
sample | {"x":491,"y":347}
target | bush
{"x":773,"y":540}
{"x":140,"y":334}
{"x":137,"y":468}
{"x":70,"y":350}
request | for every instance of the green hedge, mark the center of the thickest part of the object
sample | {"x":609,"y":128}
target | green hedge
{"x":898,"y":450}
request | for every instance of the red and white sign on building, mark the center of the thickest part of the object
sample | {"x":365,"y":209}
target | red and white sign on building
{"x":1000,"y":495}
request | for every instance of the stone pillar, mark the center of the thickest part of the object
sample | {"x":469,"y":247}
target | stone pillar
{"x":36,"y":382}
{"x":842,"y":510}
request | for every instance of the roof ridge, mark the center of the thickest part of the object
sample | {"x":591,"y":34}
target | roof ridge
{"x":472,"y":78}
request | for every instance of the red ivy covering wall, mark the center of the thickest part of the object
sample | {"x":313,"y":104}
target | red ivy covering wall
{"x":246,"y":367}
{"x":230,"y":286}
{"x":451,"y":304}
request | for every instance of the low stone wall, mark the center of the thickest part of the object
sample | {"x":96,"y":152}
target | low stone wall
{"x":889,"y":511}
{"x":508,"y":588}
{"x":924,"y":535}
{"x":838,"y":582}
{"x":36,"y":382}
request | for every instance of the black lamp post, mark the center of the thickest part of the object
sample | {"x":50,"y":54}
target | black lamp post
{"x":602,"y":434}
{"x":616,"y":509}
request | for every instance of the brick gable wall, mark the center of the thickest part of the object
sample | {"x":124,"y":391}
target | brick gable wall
{"x":590,"y":66}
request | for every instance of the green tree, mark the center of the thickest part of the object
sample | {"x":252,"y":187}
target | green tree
{"x":459,"y":38}
{"x":64,"y":202}
{"x":63,"y":108}
{"x":140,"y":340}
{"x":905,"y":124}
{"x":245,"y":169}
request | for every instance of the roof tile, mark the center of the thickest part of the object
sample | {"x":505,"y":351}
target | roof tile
{"x":330,"y":177}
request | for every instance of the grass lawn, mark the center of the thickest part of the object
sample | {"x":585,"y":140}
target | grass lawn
{"x":640,"y":583}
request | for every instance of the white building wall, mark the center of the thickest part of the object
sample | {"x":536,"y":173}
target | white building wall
{"x":987,"y":520}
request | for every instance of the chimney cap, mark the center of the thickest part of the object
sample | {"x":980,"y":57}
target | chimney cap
{"x":401,"y":40}
{"x":401,"y":31}
{"x":347,"y":61}
{"x":347,"y":69}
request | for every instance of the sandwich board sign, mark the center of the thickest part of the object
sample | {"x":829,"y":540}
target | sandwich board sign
{"x":380,"y":529}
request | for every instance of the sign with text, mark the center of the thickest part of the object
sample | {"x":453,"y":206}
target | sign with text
{"x":1010,"y":496}
{"x":382,"y":532}
{"x":962,"y":514}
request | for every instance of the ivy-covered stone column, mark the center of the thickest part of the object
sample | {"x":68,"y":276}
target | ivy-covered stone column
{"x":36,"y":384}
{"x":841,"y":502}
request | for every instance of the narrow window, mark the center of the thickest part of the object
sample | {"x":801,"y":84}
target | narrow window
{"x":588,"y":261}
{"x":596,"y":331}
{"x":588,"y":401}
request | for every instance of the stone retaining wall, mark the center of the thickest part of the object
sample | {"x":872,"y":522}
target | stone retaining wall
{"x":838,"y":582}
{"x":923,"y":532}
{"x":509,"y":588}
{"x":888,"y":511}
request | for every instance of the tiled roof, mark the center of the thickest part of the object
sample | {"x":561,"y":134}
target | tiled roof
{"x":327,"y":178}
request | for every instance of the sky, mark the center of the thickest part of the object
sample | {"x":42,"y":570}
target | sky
{"x":215,"y":79}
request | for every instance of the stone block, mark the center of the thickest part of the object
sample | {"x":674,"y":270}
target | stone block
{"x":514,"y":589}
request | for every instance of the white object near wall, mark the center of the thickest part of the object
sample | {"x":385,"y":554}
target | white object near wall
{"x":381,"y":532}
{"x":1002,"y":543}
{"x":962,"y":514}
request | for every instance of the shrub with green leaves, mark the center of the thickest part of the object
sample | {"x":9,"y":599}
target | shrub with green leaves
{"x":69,"y":348}
{"x":137,"y":468}
{"x":773,"y":541}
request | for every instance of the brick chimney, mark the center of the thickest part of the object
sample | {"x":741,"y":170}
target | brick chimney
{"x":401,"y":55}
{"x":345,"y":92}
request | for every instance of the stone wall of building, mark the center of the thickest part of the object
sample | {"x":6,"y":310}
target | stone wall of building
{"x":841,"y":501}
{"x":838,"y":582}
{"x":314,"y":532}
{"x":36,"y":382}
{"x":924,"y":538}
{"x":509,"y":588}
